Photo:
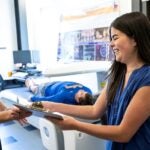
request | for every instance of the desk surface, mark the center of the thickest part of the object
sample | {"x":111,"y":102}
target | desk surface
{"x":14,"y":78}
{"x":8,"y":78}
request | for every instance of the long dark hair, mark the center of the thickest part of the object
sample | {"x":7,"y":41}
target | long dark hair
{"x":135,"y":25}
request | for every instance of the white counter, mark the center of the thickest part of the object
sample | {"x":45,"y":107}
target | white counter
{"x":76,"y":68}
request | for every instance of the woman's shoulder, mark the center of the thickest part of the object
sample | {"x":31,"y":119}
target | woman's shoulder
{"x":146,"y":70}
{"x":141,"y":76}
{"x":145,"y":75}
{"x":143,"y":70}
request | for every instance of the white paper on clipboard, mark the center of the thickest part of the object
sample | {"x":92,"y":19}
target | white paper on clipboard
{"x":40,"y":113}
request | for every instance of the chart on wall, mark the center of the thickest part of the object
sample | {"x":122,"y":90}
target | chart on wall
{"x":92,"y":44}
{"x":86,"y":36}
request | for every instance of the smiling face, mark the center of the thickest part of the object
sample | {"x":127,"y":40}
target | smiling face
{"x":124,"y":47}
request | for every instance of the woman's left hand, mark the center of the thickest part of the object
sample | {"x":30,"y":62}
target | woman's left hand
{"x":67,"y":123}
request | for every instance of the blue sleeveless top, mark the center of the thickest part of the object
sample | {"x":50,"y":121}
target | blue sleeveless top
{"x":141,"y":140}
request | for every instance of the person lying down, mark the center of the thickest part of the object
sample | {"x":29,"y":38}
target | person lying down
{"x":67,"y":92}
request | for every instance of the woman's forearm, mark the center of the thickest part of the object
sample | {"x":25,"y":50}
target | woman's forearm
{"x":72,"y":110}
{"x":113,"y":133}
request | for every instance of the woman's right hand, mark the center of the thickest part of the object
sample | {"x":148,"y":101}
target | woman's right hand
{"x":13,"y":113}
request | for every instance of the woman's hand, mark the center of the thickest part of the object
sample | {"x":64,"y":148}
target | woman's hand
{"x":14,"y":113}
{"x":67,"y":123}
{"x":22,"y":116}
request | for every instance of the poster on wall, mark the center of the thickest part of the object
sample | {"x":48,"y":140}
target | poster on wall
{"x":83,"y":45}
{"x":86,"y":36}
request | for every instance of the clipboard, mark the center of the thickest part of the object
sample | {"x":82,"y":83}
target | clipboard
{"x":39,"y":112}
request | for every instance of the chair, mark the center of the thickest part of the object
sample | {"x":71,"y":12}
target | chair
{"x":5,"y":85}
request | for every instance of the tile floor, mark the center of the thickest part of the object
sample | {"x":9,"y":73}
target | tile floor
{"x":16,"y":137}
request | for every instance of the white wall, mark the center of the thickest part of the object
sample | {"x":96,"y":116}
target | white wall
{"x":43,"y":25}
{"x":7,"y":35}
{"x":46,"y":40}
{"x":46,"y":24}
{"x":125,"y":6}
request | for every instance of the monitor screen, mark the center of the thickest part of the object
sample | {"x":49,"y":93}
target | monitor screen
{"x":22,"y":56}
{"x":35,"y":56}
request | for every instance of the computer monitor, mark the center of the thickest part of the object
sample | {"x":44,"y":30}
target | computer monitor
{"x":22,"y":56}
{"x":35,"y":56}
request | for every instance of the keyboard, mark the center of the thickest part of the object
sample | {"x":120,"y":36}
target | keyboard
{"x":20,"y":74}
{"x":34,"y":72}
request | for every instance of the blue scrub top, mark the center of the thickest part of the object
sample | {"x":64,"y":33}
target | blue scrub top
{"x":141,"y":140}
